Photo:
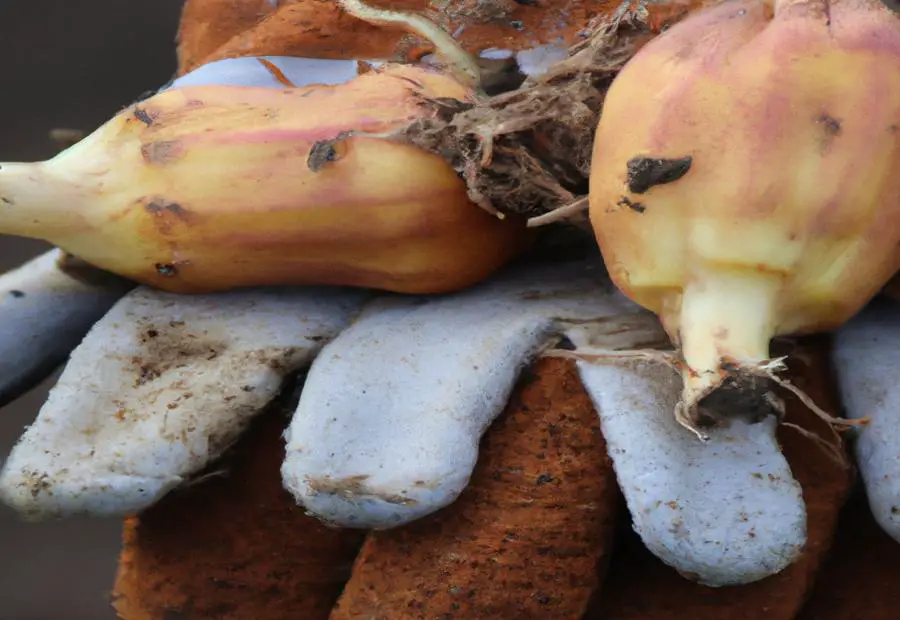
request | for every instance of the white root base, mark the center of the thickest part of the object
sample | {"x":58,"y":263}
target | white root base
{"x":867,"y":362}
{"x":45,"y":314}
{"x":160,"y":387}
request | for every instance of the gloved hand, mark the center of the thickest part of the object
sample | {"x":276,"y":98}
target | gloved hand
{"x":392,"y":409}
{"x":398,"y":393}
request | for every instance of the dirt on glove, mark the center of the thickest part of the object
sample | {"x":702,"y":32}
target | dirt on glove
{"x":640,"y":586}
{"x":531,"y":537}
{"x":233,"y":545}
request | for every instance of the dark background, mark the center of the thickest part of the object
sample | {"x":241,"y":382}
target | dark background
{"x":66,"y":64}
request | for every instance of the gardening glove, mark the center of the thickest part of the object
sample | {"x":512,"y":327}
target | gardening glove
{"x":426,"y":339}
{"x":392,"y":409}
{"x":867,"y":364}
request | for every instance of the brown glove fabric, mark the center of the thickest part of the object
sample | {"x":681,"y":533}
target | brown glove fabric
{"x":533,"y":535}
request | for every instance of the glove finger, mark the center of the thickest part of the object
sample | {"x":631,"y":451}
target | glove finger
{"x":635,"y":573}
{"x":527,"y":536}
{"x":722,"y":512}
{"x":235,"y":546}
{"x":388,"y":424}
{"x":867,"y":363}
{"x":48,"y":304}
{"x":159,"y":387}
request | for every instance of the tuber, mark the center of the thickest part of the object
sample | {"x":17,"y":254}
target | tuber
{"x":207,"y":188}
{"x":743,"y":183}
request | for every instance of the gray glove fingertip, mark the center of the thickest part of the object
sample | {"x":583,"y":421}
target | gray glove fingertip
{"x":867,"y":363}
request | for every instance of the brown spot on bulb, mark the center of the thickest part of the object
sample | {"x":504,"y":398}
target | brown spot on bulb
{"x":325,"y":151}
{"x":166,"y":214}
{"x":142,"y":115}
{"x":646,"y":172}
{"x":166,"y":270}
{"x":161,"y":152}
{"x":831,"y":129}
{"x":158,"y":206}
{"x":832,"y":125}
{"x":637,"y":207}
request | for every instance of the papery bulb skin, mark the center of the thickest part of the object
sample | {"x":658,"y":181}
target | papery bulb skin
{"x":744,"y":178}
{"x":209,"y":188}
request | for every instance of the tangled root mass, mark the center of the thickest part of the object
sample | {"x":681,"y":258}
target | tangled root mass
{"x":528,"y":151}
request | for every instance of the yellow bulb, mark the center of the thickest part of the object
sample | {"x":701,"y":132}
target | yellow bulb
{"x":744,"y":179}
{"x":216,"y":187}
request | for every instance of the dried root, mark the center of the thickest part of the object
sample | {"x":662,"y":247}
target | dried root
{"x":526,"y":151}
{"x":462,"y":64}
{"x":577,"y":208}
{"x":750,"y":391}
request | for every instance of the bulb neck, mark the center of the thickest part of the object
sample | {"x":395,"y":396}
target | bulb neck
{"x":727,"y":321}
{"x":38,"y":204}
